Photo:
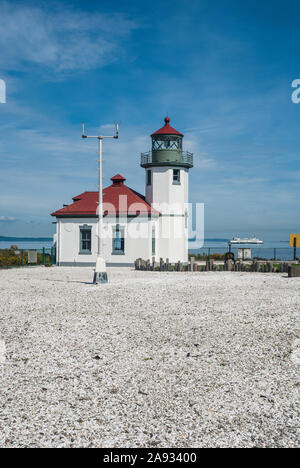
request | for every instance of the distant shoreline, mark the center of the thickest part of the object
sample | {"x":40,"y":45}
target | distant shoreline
{"x":25,"y":239}
{"x":50,"y":239}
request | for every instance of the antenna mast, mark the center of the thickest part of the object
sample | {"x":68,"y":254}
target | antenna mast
{"x":100,"y":274}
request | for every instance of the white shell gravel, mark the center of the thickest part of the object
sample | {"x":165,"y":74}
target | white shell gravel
{"x":151,"y":359}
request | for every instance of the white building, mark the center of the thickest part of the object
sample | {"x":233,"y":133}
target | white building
{"x":135,"y":226}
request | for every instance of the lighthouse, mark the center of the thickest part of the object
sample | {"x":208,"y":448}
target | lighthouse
{"x":154,"y":225}
{"x":166,"y":188}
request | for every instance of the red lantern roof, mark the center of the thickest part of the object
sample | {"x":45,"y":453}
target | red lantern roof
{"x":117,"y":199}
{"x":167,"y":129}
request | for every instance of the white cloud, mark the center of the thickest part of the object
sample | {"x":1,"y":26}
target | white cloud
{"x":60,"y":39}
{"x":7,"y":218}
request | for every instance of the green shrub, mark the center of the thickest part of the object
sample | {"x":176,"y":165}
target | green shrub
{"x":9,"y":257}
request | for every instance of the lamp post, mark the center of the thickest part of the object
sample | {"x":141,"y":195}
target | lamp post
{"x":100,"y":274}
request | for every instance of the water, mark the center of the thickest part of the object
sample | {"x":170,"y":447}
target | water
{"x":270,"y":249}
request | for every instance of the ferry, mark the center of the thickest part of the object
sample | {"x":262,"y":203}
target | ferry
{"x":246,"y":240}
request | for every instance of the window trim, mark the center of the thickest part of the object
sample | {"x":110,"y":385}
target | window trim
{"x":176,"y":182}
{"x":122,"y":230}
{"x":84,"y":227}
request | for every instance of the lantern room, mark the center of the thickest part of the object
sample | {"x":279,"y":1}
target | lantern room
{"x":167,"y":149}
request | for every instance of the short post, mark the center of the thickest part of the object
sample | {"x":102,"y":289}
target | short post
{"x":274,"y":253}
{"x":43,"y":255}
{"x":51,"y":255}
{"x":22,"y":257}
{"x":229,"y":265}
{"x":295,"y":248}
{"x":192,"y":263}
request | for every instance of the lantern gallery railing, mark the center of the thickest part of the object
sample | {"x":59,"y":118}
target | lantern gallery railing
{"x":186,"y":159}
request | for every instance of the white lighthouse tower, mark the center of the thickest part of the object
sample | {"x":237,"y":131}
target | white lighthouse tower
{"x":167,"y":172}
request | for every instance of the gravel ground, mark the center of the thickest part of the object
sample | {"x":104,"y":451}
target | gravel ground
{"x":149,"y":360}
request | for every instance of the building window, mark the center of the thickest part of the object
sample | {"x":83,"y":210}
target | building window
{"x":153,"y":240}
{"x":149,"y":177}
{"x":118,"y":241}
{"x":176,"y":176}
{"x":85,"y":239}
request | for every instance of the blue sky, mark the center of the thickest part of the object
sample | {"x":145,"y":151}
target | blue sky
{"x":221,"y":70}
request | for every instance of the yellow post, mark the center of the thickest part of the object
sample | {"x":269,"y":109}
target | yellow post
{"x":292,"y":237}
{"x":295,"y":242}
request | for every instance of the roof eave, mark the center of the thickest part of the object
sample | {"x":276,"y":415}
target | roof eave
{"x":93,"y":215}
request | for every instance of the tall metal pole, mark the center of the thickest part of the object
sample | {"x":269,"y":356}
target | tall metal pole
{"x":100,"y":199}
{"x":100,"y":274}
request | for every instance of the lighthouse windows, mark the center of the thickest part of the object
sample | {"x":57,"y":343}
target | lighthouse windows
{"x":176,"y":176}
{"x":149,"y":177}
{"x":167,"y":142}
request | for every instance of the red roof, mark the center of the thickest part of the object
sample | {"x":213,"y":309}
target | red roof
{"x":117,"y":199}
{"x":167,"y":129}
